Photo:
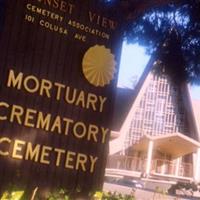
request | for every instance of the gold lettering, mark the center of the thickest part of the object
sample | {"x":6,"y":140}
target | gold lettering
{"x":46,"y":85}
{"x":104,"y":22}
{"x":45,"y":155}
{"x":56,"y":3}
{"x":59,"y":152}
{"x":14,"y":81}
{"x":67,"y":123}
{"x":39,"y":10}
{"x":29,"y":6}
{"x":3,"y":104}
{"x":41,"y":22}
{"x":71,"y":7}
{"x":28,"y":151}
{"x":28,"y":117}
{"x":104,"y":132}
{"x":16,"y":112}
{"x":81,"y":99}
{"x":91,"y":101}
{"x":59,"y":87}
{"x":43,"y":122}
{"x":102,"y":101}
{"x":98,"y":19}
{"x":17,"y":149}
{"x":67,"y":98}
{"x":63,"y":6}
{"x":59,"y":4}
{"x":32,"y":154}
{"x":79,"y":130}
{"x":35,"y":82}
{"x":92,"y":132}
{"x":56,"y":125}
{"x":2,"y":140}
{"x":81,"y":161}
{"x":69,"y":159}
{"x":91,"y":16}
{"x":93,"y":161}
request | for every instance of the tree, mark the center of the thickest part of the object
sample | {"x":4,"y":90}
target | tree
{"x":158,"y":27}
{"x":170,"y":27}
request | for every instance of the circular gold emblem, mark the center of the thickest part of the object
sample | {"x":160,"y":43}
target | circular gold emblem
{"x":99,"y":65}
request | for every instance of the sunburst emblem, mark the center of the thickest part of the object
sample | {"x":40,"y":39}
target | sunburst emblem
{"x":99,"y":65}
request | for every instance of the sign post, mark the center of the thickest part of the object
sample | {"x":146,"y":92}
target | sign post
{"x":58,"y":67}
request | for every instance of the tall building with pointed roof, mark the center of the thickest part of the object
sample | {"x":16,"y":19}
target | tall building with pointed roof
{"x":159,"y":135}
{"x":160,"y":110}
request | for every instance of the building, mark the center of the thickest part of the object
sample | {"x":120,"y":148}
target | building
{"x":159,"y":135}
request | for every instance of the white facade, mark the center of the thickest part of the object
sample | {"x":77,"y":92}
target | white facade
{"x":162,"y":107}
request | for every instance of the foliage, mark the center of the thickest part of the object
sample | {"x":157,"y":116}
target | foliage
{"x":12,"y":192}
{"x":58,"y":195}
{"x":183,"y":186}
{"x":153,"y":29}
{"x":158,"y":26}
{"x":62,"y":194}
{"x":14,"y":195}
{"x":117,"y":196}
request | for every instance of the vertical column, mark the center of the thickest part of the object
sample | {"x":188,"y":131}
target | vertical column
{"x":177,"y":166}
{"x":196,"y":162}
{"x":163,"y":167}
{"x":149,"y":157}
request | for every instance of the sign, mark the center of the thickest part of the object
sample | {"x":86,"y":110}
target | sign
{"x":58,"y":68}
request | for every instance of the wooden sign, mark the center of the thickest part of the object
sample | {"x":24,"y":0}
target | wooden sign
{"x":58,"y":67}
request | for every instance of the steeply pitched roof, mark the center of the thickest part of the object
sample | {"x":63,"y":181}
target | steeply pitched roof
{"x":196,"y":109}
{"x":123,"y":116}
{"x":125,"y":98}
